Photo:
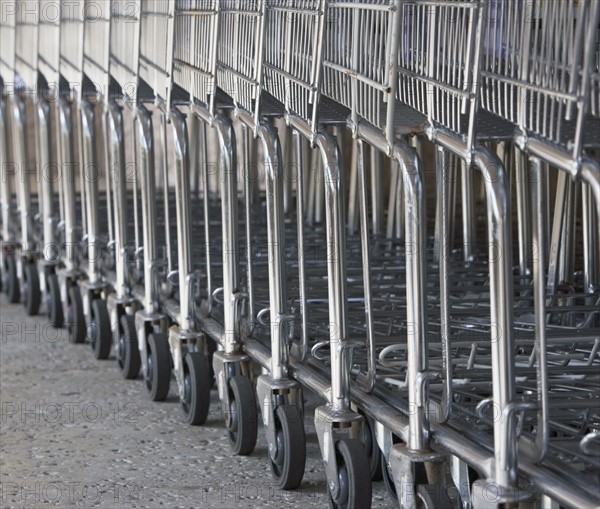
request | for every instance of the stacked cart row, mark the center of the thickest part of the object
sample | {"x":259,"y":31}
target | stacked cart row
{"x":392,"y":204}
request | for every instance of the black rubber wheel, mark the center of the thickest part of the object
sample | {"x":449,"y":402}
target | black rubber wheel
{"x":371,"y":448}
{"x":197,"y":383}
{"x":128,"y":354}
{"x":288,"y":466}
{"x":242,"y":426}
{"x":11,"y":280}
{"x":433,"y":496}
{"x":99,"y":330}
{"x":53,"y":302}
{"x":32,"y":294}
{"x":75,"y":316}
{"x":158,"y":367}
{"x":354,"y":476}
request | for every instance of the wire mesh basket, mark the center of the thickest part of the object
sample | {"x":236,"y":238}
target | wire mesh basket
{"x":361,"y":44}
{"x":96,"y":45}
{"x":438,"y":61}
{"x":49,"y":41}
{"x":7,"y":38}
{"x":156,"y":46}
{"x":124,"y":45}
{"x":293,"y":54}
{"x":195,"y":49}
{"x":239,"y":54}
{"x":71,"y":42}
{"x":26,"y":42}
{"x":539,"y":64}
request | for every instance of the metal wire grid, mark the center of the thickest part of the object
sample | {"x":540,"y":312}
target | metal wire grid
{"x":293,"y":54}
{"x":26,"y":44}
{"x":156,"y":47}
{"x":49,"y":41}
{"x":195,"y":48}
{"x":359,"y":57}
{"x":71,"y":42}
{"x":535,"y":67}
{"x":96,"y":45}
{"x":438,"y":61}
{"x":239,"y":55}
{"x":501,"y":66}
{"x":7,"y":38}
{"x":124,"y":45}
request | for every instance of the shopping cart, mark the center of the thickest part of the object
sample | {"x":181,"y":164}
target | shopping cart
{"x":21,"y":105}
{"x":162,"y":344}
{"x":292,"y":74}
{"x":544,"y":58}
{"x":49,"y":162}
{"x":133,"y":295}
{"x":194,"y":70}
{"x":366,"y":82}
{"x":239,"y":69}
{"x":10,"y":277}
{"x":72,"y":113}
{"x":98,"y":228}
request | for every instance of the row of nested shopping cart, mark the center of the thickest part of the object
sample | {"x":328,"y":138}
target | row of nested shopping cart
{"x":394,"y":204}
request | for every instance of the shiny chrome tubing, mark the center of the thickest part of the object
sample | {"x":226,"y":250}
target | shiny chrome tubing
{"x":229,"y":219}
{"x":145,"y":159}
{"x":116,"y":162}
{"x":416,"y":310}
{"x":5,"y":187}
{"x":336,"y":271}
{"x":276,"y":246}
{"x":501,"y":306}
{"x":184,"y":236}
{"x":68,"y":183}
{"x":89,"y":172}
{"x":47,"y":179}
{"x":22,"y":177}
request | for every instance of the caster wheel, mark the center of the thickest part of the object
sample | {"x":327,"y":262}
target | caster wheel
{"x":128,"y":354}
{"x":288,"y":465}
{"x":197,"y":382}
{"x":158,"y":367}
{"x":354,"y":476}
{"x":432,"y":496}
{"x":32,"y":294}
{"x":75,"y":316}
{"x":99,"y":330}
{"x":11,"y":281}
{"x":242,"y":425}
{"x":372,"y":449}
{"x":53,"y":302}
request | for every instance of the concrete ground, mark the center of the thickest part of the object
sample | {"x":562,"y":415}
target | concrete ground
{"x":73,"y":433}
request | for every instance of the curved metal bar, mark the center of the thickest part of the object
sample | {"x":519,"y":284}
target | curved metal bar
{"x":229,"y":218}
{"x":336,"y":270}
{"x":416,"y":312}
{"x":145,"y":162}
{"x":47,"y":179}
{"x":90,"y":183}
{"x":276,"y":246}
{"x":182,"y":198}
{"x":116,"y":155}
{"x":5,"y":187}
{"x":501,"y":314}
{"x":68,"y":182}
{"x":22,"y":176}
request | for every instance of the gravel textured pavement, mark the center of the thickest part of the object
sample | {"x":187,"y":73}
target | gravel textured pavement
{"x":73,"y":433}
